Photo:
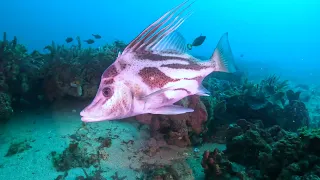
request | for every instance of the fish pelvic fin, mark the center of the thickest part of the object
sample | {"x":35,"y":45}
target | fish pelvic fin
{"x":222,"y":58}
{"x":171,"y":110}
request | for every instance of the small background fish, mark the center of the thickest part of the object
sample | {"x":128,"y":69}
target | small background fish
{"x":197,"y":42}
{"x":69,"y":39}
{"x":97,"y":36}
{"x":89,"y":41}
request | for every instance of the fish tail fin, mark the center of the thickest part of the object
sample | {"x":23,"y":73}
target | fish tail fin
{"x":189,"y":46}
{"x":222,"y":58}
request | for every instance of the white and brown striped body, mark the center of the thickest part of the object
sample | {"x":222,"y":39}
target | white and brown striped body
{"x":154,"y":72}
{"x":146,"y":73}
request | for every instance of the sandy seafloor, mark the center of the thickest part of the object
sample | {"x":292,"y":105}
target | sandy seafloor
{"x":49,"y":130}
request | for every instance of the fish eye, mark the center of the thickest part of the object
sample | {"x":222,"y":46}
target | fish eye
{"x":106,"y":92}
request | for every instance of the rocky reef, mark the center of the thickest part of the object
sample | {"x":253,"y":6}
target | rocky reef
{"x":35,"y":79}
{"x":177,"y":170}
{"x":6,"y":110}
{"x":269,"y":127}
{"x":256,"y":152}
{"x":271,"y":101}
{"x":181,"y":130}
{"x":79,"y":70}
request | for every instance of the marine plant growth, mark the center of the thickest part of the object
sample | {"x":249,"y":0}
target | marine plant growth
{"x":262,"y":118}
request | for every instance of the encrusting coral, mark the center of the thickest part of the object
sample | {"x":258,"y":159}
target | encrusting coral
{"x":34,"y":79}
{"x":76,"y":72}
{"x":269,"y":101}
{"x":267,"y":153}
{"x":183,"y":129}
{"x":6,"y":110}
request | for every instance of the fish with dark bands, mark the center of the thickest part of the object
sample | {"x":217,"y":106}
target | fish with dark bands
{"x":155,"y":71}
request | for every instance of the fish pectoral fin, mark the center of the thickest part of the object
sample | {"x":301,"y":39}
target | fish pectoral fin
{"x":155,"y":94}
{"x":155,"y":99}
{"x":202,"y":91}
{"x":171,"y":110}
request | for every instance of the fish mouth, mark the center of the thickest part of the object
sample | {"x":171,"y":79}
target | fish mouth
{"x":87,"y":117}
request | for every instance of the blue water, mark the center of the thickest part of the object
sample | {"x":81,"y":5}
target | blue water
{"x":279,"y":36}
{"x":266,"y":37}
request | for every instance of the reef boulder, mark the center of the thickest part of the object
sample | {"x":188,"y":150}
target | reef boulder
{"x":6,"y":110}
{"x":183,"y":129}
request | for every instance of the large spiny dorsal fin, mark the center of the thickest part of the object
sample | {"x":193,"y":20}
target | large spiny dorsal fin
{"x":174,"y":42}
{"x":149,"y":38}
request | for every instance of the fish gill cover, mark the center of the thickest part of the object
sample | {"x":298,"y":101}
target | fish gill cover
{"x":260,"y":122}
